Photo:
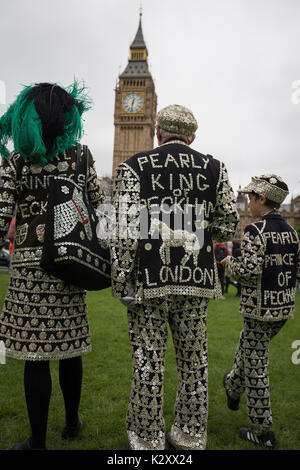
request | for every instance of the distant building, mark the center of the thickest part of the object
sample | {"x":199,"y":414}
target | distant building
{"x":106,"y":185}
{"x":135,"y":104}
{"x":291,"y":212}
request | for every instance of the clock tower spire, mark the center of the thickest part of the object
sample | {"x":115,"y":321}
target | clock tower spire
{"x":135,"y":104}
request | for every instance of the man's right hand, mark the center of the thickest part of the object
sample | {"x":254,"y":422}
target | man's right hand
{"x":224,"y":261}
{"x":128,"y":299}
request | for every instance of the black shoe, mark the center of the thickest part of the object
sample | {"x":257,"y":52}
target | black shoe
{"x":71,"y":432}
{"x":25,"y":445}
{"x":267,"y":439}
{"x":232,"y":403}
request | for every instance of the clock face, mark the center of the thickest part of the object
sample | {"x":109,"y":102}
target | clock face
{"x":132,"y":103}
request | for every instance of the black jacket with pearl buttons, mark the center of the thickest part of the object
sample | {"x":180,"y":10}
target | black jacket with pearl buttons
{"x":267,"y":269}
{"x":170,"y":203}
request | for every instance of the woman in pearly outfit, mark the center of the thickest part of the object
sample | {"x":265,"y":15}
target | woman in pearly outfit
{"x":43,"y":317}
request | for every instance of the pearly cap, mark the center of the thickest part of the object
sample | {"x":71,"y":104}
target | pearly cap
{"x":269,"y":185}
{"x":177,"y":119}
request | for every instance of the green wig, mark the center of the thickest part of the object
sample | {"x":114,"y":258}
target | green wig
{"x":44,"y":120}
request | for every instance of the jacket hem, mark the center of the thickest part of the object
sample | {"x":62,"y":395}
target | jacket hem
{"x":45,"y":357}
{"x":182,"y":290}
{"x":290,"y":316}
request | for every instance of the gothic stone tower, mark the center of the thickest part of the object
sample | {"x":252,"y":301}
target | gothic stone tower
{"x":135,"y":104}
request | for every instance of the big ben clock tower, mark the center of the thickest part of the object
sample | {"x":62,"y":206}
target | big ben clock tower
{"x":135,"y":104}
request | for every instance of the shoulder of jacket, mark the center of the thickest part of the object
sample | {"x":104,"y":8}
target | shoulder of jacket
{"x":13,"y":160}
{"x":255,"y":227}
{"x":127,"y":166}
{"x":136,"y":161}
{"x":210,"y":160}
{"x":213,"y":159}
{"x":133,"y":160}
{"x":15,"y":157}
{"x":291,"y":229}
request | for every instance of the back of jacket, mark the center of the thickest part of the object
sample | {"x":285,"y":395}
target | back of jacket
{"x":181,"y":200}
{"x":277,"y":286}
{"x":268,"y":269}
{"x":24,"y":189}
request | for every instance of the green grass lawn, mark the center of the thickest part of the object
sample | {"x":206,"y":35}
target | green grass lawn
{"x":106,"y":382}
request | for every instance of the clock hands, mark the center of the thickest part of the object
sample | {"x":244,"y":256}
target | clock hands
{"x":132,"y":103}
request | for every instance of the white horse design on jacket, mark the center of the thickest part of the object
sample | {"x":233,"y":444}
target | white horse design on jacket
{"x":175,"y":238}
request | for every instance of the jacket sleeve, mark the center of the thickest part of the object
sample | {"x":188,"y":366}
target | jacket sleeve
{"x":8,"y":197}
{"x":124,"y":241}
{"x":298,"y":265}
{"x":95,"y":193}
{"x":247,"y":267}
{"x":226,"y":216}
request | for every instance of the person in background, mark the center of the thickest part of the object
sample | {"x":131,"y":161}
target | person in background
{"x":43,"y":318}
{"x":11,"y":236}
{"x":221,"y":251}
{"x":236,"y":252}
{"x":268,"y":268}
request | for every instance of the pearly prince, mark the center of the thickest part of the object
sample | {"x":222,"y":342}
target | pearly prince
{"x":267,"y":269}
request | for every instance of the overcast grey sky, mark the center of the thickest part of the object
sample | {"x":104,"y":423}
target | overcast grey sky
{"x":233,"y":62}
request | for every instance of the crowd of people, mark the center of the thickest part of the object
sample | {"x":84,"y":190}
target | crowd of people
{"x":165,"y":277}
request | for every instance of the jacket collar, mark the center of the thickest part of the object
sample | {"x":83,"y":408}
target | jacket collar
{"x":272,"y":215}
{"x":171,"y":140}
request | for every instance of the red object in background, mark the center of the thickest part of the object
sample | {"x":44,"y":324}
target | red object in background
{"x":221,"y":245}
{"x":221,"y":251}
{"x":11,"y":235}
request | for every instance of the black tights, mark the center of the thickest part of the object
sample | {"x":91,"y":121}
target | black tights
{"x":38,"y":387}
